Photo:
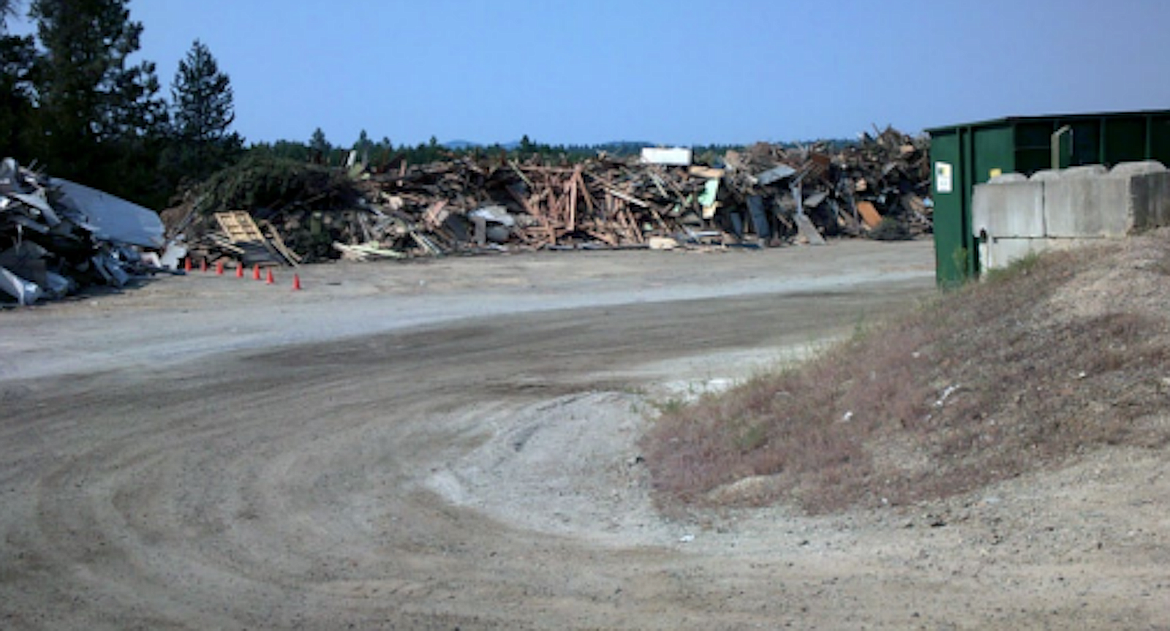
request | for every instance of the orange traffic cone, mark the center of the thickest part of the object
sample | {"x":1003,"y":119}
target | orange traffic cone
{"x":240,"y":269}
{"x":187,"y":264}
{"x":269,"y":280}
{"x":256,"y":271}
{"x":296,"y":282}
{"x":219,"y":267}
{"x":203,"y":265}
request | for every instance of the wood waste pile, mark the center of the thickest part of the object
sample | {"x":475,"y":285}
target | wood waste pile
{"x":57,"y":237}
{"x":765,"y":195}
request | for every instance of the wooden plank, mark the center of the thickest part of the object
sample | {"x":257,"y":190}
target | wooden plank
{"x":807,"y":230}
{"x":528,"y":208}
{"x":635,"y":226}
{"x":436,"y":215}
{"x":605,"y":236}
{"x":628,"y":197}
{"x":366,"y":251}
{"x":869,"y":214}
{"x":584,"y":190}
{"x":516,"y":168}
{"x":627,"y":221}
{"x":226,"y":245}
{"x":573,"y":203}
{"x":278,"y":242}
{"x":705,"y":172}
{"x":426,"y":244}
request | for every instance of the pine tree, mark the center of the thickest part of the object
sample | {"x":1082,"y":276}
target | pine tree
{"x":7,"y":9}
{"x":17,"y":57}
{"x":202,"y":98}
{"x":203,"y":110}
{"x":319,"y":147}
{"x":363,"y":146}
{"x":100,"y":117}
{"x":363,"y":142}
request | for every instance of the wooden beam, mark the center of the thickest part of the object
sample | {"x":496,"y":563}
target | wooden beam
{"x":573,"y":200}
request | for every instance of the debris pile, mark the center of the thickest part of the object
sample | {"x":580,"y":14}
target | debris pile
{"x":890,"y":173}
{"x":849,"y":192}
{"x":269,"y":211}
{"x":57,"y":237}
{"x":764,"y":195}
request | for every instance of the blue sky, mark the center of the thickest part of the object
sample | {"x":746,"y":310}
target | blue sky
{"x":665,"y":71}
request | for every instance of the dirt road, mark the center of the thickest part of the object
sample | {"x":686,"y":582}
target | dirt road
{"x":451,"y":444}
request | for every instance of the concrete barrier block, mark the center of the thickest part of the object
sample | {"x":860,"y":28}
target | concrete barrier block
{"x":1013,"y":208}
{"x":1073,"y":173}
{"x":1143,"y":167}
{"x":1083,"y":202}
{"x":999,"y":253}
{"x":1086,"y":202}
{"x":1149,"y":198}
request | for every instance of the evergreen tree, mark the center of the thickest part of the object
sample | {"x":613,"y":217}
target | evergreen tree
{"x":319,"y":146}
{"x":363,"y":143}
{"x":204,"y":109}
{"x":7,"y":9}
{"x":17,"y":57}
{"x":282,"y":149}
{"x":364,"y":147}
{"x":318,"y":142}
{"x":101,"y":119}
{"x":381,"y":153}
{"x":202,"y":98}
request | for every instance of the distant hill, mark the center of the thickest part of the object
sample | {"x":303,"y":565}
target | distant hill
{"x":463,"y":145}
{"x":460,"y":144}
{"x":615,"y":147}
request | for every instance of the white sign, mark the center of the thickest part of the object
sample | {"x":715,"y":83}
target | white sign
{"x":675,"y":156}
{"x":943,"y":180}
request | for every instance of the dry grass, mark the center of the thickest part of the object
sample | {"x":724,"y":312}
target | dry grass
{"x":1056,"y":356}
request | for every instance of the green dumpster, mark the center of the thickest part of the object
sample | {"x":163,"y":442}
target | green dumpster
{"x":969,"y":154}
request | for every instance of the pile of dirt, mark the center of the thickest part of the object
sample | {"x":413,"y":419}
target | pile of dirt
{"x":1032,"y":368}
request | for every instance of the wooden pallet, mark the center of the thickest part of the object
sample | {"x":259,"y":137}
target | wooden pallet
{"x":249,"y":244}
{"x":239,"y":227}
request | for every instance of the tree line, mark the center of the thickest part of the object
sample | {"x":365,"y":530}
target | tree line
{"x":76,"y":106}
{"x":73,"y":104}
{"x":383,"y":154}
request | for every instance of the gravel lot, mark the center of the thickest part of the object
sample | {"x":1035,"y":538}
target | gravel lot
{"x":451,"y":444}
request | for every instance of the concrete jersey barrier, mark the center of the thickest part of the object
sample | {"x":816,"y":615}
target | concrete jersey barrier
{"x":1014,"y":216}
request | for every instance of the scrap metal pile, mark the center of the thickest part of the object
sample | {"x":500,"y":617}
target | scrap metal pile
{"x":497,"y":203}
{"x":57,"y":237}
